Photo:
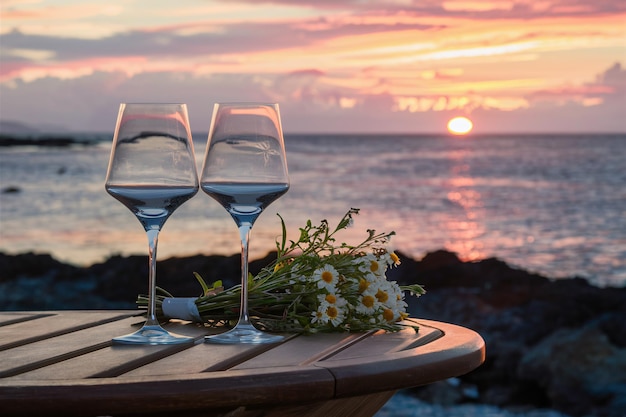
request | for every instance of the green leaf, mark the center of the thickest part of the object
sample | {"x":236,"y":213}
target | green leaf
{"x":160,"y":290}
{"x":205,"y":287}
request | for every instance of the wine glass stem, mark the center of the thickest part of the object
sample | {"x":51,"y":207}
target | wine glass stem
{"x":153,"y":238}
{"x":244,"y":233}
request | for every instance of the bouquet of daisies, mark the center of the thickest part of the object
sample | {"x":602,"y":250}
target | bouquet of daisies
{"x":314,"y":285}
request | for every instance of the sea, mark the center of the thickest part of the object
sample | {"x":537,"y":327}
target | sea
{"x":550,"y":204}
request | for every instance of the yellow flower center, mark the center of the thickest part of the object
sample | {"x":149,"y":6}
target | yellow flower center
{"x":373,"y":266}
{"x":363,"y":284}
{"x":382,"y":296}
{"x":388,"y":314}
{"x":331,"y":298}
{"x":327,"y":276}
{"x":332,"y":312}
{"x":368,"y":301}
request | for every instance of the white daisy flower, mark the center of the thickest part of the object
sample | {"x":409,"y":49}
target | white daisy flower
{"x":383,"y":293}
{"x":335,"y":315}
{"x":397,"y":304}
{"x":319,"y":316}
{"x":326,"y":277}
{"x":332,"y":299}
{"x":389,"y":315}
{"x":365,"y":282}
{"x":328,"y":313}
{"x":390,"y":258}
{"x":370,"y":263}
{"x":367,"y":303}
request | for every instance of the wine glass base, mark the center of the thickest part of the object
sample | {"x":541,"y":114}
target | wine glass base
{"x":152,"y":335}
{"x":244,"y":333}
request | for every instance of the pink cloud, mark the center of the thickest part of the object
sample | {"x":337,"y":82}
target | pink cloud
{"x":614,"y":77}
{"x":520,"y":9}
{"x":346,"y":68}
{"x":572,"y":92}
{"x":609,"y":84}
{"x":306,"y":73}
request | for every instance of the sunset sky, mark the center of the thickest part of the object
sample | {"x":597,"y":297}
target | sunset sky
{"x":386,"y":66}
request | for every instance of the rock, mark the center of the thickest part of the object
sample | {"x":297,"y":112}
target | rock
{"x":31,"y":265}
{"x":580,"y":370}
{"x":614,"y":327}
{"x":449,"y":392}
{"x":49,"y":141}
{"x":11,"y":189}
{"x":32,"y":281}
{"x":515,"y":311}
{"x":437,"y":260}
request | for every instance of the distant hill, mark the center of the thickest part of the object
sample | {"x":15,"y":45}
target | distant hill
{"x":13,"y":127}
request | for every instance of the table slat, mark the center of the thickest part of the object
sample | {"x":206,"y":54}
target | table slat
{"x":203,"y":357}
{"x":10,"y":317}
{"x":388,"y":343}
{"x":59,"y":348}
{"x":302,"y":350}
{"x":46,"y":326}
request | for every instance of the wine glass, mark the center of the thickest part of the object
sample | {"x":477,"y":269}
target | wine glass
{"x":152,"y":171}
{"x":245,"y":170}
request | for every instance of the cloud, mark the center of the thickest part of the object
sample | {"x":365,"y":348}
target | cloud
{"x":207,"y":38}
{"x":398,"y":65}
{"x":610,"y":85}
{"x":309,"y":103}
{"x":614,"y":78}
{"x":477,"y":9}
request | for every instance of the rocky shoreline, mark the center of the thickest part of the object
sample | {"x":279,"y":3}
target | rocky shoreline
{"x":55,"y":141}
{"x":558,"y":344}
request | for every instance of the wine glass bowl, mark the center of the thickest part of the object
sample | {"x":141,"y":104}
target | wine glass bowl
{"x":245,"y":170}
{"x":152,"y":171}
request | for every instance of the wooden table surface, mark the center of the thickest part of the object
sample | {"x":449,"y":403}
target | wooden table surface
{"x":63,"y":363}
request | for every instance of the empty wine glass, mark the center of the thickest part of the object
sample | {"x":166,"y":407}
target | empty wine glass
{"x":152,"y":171}
{"x":245,"y":170}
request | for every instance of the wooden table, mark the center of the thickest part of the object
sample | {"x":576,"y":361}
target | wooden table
{"x":63,"y":363}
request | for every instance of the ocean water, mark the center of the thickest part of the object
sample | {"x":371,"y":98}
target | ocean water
{"x":553,"y":204}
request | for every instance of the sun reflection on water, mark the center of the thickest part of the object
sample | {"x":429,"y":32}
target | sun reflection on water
{"x":464,"y":225}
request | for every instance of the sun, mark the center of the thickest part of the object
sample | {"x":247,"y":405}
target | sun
{"x":460,"y":125}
